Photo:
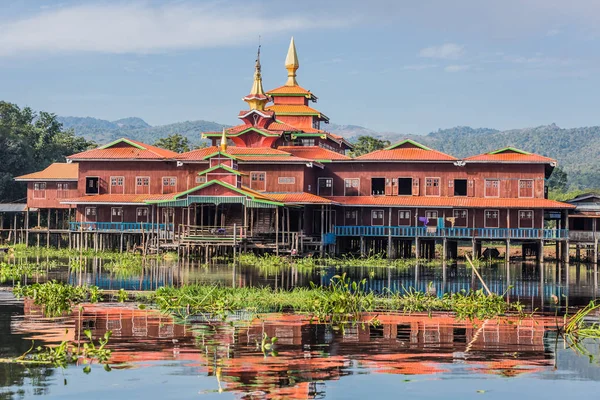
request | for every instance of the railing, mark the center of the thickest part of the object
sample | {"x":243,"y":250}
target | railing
{"x":132,"y":227}
{"x":584,"y":236}
{"x":457,"y":233}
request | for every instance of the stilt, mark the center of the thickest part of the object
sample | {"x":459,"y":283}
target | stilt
{"x":507,"y":252}
{"x":417,"y":248}
{"x":444,"y":249}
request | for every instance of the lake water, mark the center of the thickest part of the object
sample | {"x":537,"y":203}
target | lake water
{"x":416,"y":356}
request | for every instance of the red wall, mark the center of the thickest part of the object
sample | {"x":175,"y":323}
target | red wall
{"x":51,"y":198}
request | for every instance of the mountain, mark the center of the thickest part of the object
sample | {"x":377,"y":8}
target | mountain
{"x":103,"y":131}
{"x":576,"y":149}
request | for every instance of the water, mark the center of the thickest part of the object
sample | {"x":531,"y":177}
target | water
{"x":410,"y":356}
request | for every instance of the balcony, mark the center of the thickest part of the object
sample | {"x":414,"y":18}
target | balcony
{"x":452,"y":233}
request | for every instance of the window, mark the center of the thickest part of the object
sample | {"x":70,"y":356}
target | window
{"x":432,"y":186}
{"x":286,"y":180}
{"x":116,"y":184}
{"x":39,"y":190}
{"x":404,"y":186}
{"x":90,"y":214}
{"x":460,"y":218}
{"x":201,"y":179}
{"x":525,"y":218}
{"x":377,"y":217}
{"x":432,"y":216}
{"x":377,"y":186}
{"x":142,"y":185}
{"x":460,"y":187}
{"x":404,"y":218}
{"x":62,"y":190}
{"x":116,"y":214}
{"x":351,"y":217}
{"x":492,"y":188}
{"x":526,"y":188}
{"x":258,"y":181}
{"x":491,"y":218}
{"x":141,"y":214}
{"x":325,"y":187}
{"x":351,"y":187}
{"x":169,"y":184}
{"x":92,"y":185}
{"x":308,"y":142}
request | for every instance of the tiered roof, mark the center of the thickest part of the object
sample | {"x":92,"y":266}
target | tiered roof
{"x":125,"y":149}
{"x":54,"y":172}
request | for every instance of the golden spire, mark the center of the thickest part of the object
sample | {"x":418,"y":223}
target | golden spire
{"x":292,"y":64}
{"x":224,"y":141}
{"x":257,"y":97}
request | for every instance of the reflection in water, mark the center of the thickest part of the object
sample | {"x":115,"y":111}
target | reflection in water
{"x":206,"y":358}
{"x":530,"y":283}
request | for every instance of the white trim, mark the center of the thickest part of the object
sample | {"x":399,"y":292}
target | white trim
{"x":39,"y":190}
{"x":411,"y":185}
{"x":371,"y":191}
{"x":162,"y":184}
{"x":137,"y":209}
{"x":409,"y":217}
{"x":439,"y":186}
{"x":292,"y":178}
{"x":45,"y":180}
{"x":485,"y":210}
{"x":136,"y":184}
{"x":532,"y":189}
{"x":85,"y":214}
{"x":112,"y":214}
{"x":382,"y":219}
{"x":86,"y":186}
{"x":355,"y":217}
{"x":466,"y":218}
{"x":264,"y":189}
{"x":437,"y":215}
{"x":107,"y":203}
{"x":358,"y":187}
{"x":110,"y":185}
{"x":319,"y":185}
{"x":485,"y":187}
{"x":454,"y":187}
{"x":532,"y":218}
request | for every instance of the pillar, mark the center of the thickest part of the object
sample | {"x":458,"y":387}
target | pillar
{"x":507,"y":252}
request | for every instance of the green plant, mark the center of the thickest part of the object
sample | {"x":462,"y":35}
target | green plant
{"x":56,"y":298}
{"x":122,"y":295}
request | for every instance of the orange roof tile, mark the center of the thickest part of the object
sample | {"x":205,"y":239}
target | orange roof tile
{"x":125,"y":149}
{"x":511,"y":155}
{"x":298,"y":198}
{"x":314,"y":153}
{"x":197,"y":154}
{"x":282,"y":90}
{"x":448,"y":202}
{"x":238,"y":151}
{"x":267,"y":159}
{"x":284,"y":109}
{"x":54,"y":172}
{"x":116,"y":198}
{"x":406,"y":151}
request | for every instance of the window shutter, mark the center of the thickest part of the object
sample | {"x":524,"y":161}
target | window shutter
{"x":415,"y":186}
{"x":470,"y":188}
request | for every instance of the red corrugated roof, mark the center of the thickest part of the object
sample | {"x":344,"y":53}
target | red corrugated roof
{"x":117,"y":198}
{"x":54,"y":172}
{"x":125,"y":149}
{"x":406,"y":154}
{"x":448,"y":202}
{"x":510,"y":155}
{"x":314,"y":153}
{"x":298,"y":198}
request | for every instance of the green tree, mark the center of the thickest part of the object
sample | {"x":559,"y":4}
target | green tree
{"x":558,"y":180}
{"x":367,"y":144}
{"x":29,"y":142}
{"x":174,"y":142}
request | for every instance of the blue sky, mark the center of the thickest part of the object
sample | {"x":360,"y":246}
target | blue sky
{"x":401,"y":66}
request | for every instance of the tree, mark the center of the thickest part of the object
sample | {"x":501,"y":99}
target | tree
{"x":174,"y":142}
{"x":558,"y":180}
{"x":29,"y":142}
{"x":367,"y":144}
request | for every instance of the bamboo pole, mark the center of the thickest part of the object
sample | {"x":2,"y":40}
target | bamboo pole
{"x":478,"y":276}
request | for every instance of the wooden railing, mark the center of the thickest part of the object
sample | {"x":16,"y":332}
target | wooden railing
{"x":455,"y":233}
{"x":584,"y":236}
{"x":132,"y":227}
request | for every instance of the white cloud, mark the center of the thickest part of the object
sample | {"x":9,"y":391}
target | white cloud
{"x":553,"y":32}
{"x":142,"y":28}
{"x":447,"y":51}
{"x":457,"y":68}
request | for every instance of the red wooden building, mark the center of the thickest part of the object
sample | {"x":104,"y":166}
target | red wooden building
{"x":279,"y":180}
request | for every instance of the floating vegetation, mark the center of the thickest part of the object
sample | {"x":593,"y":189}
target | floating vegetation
{"x":57,"y":298}
{"x":16,"y":272}
{"x":68,"y":353}
{"x":580,"y":326}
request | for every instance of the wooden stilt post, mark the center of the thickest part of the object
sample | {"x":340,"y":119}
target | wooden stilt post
{"x":277,"y":230}
{"x":26,"y":227}
{"x":15,"y":228}
{"x":48,"y":230}
{"x":322,"y":250}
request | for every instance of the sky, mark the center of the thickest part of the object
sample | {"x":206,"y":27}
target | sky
{"x":400,"y":66}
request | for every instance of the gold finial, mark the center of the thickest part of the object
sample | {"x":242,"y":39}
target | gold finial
{"x":292,"y":64}
{"x":257,"y":97}
{"x":224,"y":141}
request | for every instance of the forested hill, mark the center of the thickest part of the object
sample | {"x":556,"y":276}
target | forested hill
{"x":577,"y":150}
{"x":103,"y":131}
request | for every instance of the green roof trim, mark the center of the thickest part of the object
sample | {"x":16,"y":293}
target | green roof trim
{"x":122,"y":140}
{"x":319,"y":135}
{"x":408,"y":141}
{"x":505,"y":149}
{"x":219,"y":153}
{"x":253,"y":129}
{"x":221,"y":166}
{"x":307,"y":95}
